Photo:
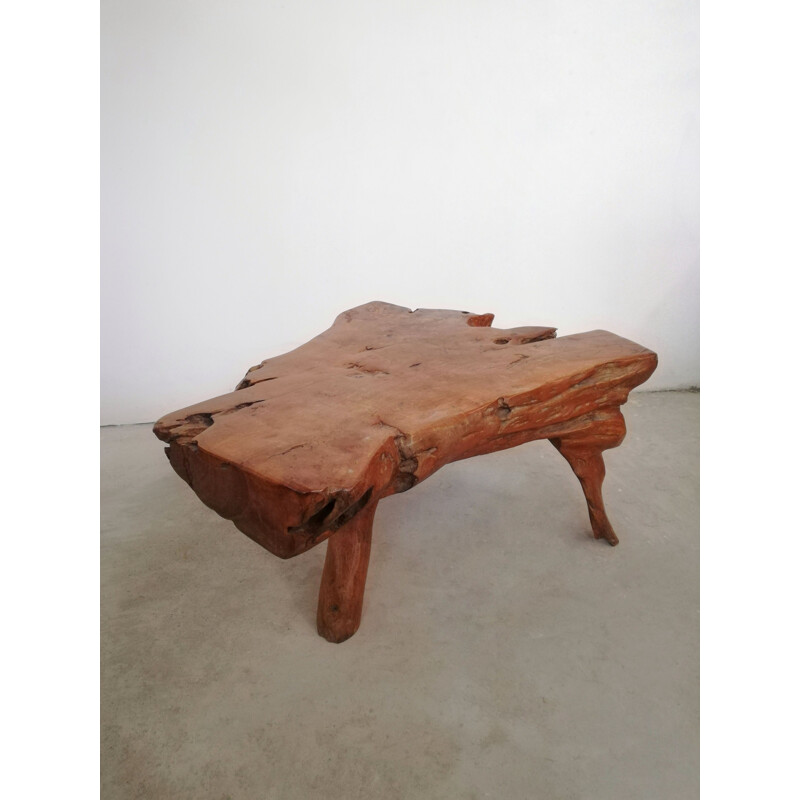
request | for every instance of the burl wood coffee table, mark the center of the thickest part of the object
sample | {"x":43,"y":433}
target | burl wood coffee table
{"x":310,"y":441}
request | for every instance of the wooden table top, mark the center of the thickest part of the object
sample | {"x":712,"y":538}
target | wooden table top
{"x":377,"y":403}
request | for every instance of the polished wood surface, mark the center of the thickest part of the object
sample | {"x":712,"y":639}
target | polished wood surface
{"x":310,"y":441}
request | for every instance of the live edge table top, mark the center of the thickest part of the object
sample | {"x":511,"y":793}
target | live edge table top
{"x":310,"y":441}
{"x":380,"y":401}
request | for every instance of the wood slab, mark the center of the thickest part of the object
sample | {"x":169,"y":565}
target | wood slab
{"x":309,"y":441}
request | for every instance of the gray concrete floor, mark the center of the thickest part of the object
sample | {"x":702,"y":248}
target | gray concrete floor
{"x":503,"y":653}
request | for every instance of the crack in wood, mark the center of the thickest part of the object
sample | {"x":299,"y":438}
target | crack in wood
{"x":318,"y":523}
{"x":366,"y":370}
{"x":246,"y":383}
{"x":288,"y":450}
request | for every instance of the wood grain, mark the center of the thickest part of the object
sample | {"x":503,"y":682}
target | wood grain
{"x":310,"y":441}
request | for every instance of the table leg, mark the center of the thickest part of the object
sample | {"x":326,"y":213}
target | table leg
{"x":341,"y":593}
{"x":584,"y":453}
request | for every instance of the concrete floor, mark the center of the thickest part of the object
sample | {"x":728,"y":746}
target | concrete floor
{"x":503,"y":653}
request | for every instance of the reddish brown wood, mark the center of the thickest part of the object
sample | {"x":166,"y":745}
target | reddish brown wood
{"x":310,"y":441}
{"x":341,"y":592}
{"x":585,"y":456}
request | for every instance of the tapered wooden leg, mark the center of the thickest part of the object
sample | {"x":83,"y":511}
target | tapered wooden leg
{"x":590,"y":468}
{"x":341,"y":593}
{"x":584,"y":453}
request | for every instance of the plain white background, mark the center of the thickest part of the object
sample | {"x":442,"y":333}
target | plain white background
{"x":267,"y":165}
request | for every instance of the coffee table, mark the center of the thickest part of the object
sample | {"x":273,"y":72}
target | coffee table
{"x":309,"y":442}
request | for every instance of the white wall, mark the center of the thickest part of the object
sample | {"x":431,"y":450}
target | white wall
{"x":267,"y":165}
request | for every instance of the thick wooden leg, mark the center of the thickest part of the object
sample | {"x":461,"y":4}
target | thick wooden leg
{"x":341,"y":593}
{"x":584,"y":453}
